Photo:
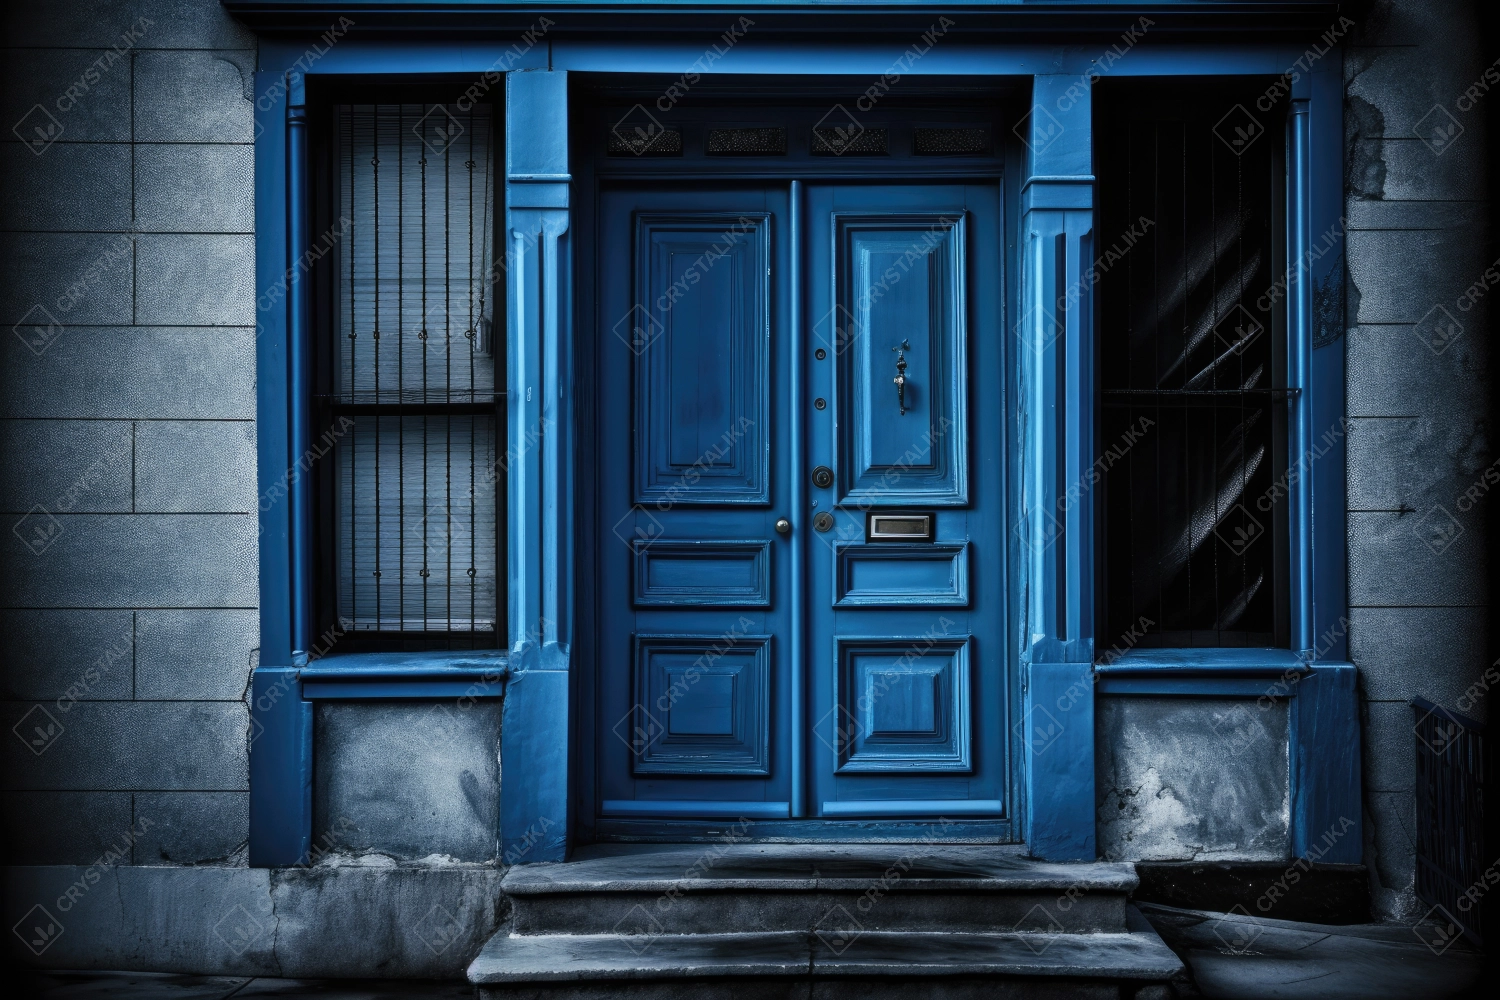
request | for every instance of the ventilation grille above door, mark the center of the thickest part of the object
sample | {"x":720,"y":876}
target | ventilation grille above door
{"x":951,"y":141}
{"x":747,"y":142}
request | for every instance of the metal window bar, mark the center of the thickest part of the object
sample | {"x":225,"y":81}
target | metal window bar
{"x":1451,"y":859}
{"x":417,"y":549}
{"x":1185,"y":344}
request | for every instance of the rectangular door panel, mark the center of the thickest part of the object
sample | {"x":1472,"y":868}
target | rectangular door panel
{"x":890,"y":575}
{"x":900,"y":281}
{"x":700,"y":330}
{"x":703,"y":572}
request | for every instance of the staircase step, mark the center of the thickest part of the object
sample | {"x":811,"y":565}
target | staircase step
{"x":782,"y":964}
{"x":766,"y":888}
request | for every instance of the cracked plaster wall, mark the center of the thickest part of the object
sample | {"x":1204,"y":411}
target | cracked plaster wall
{"x":1420,"y":441}
{"x":1191,"y":779}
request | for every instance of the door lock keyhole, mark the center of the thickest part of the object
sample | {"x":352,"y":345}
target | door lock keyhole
{"x":822,"y":477}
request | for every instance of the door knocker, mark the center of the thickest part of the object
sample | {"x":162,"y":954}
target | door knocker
{"x":901,"y":350}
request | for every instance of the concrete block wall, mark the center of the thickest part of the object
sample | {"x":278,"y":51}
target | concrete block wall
{"x":1418,"y":389}
{"x":127,"y":433}
{"x":128,"y":618}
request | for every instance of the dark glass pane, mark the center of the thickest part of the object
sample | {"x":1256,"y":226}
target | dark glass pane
{"x":1191,"y":361}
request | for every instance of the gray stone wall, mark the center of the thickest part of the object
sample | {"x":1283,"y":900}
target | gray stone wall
{"x":127,"y":434}
{"x":1419,"y":444}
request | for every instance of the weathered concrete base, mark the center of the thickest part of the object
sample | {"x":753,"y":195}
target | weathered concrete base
{"x":357,"y":921}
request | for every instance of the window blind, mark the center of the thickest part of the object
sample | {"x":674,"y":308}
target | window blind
{"x":417,"y":468}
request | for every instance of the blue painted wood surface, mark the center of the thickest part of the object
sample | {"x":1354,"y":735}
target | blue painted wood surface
{"x":538,"y":769}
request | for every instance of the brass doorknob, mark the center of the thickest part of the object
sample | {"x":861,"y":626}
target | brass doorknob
{"x":783,"y":526}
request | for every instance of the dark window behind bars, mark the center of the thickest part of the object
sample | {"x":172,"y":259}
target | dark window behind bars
{"x":1192,"y":349}
{"x":414,"y":378}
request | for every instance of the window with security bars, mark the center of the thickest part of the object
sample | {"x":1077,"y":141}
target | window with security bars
{"x":412,"y":378}
{"x":1193,"y":427}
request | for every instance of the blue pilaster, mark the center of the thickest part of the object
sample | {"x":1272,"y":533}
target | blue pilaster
{"x":534,"y":735}
{"x":1056,"y":357}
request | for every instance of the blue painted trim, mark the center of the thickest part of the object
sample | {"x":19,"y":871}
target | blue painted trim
{"x":1241,"y":662}
{"x":407,"y":675}
{"x":799,"y":514}
{"x":407,"y":688}
{"x":1056,"y":530}
{"x":915,"y":807}
{"x":280,"y":769}
{"x":299,"y":374}
{"x":359,"y":54}
{"x":694,"y":808}
{"x":1175,"y":685}
{"x":280,"y":751}
{"x":535,"y":813}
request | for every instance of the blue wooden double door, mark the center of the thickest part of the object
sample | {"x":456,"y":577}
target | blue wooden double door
{"x":802,"y":573}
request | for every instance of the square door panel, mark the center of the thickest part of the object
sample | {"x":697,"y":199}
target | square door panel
{"x":704,"y":703}
{"x":900,"y":293}
{"x":905,"y":704}
{"x":699,"y":329}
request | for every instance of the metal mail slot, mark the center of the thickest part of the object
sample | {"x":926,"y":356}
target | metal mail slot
{"x":898,"y":527}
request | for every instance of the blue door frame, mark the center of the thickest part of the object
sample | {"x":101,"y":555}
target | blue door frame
{"x":1054,"y":556}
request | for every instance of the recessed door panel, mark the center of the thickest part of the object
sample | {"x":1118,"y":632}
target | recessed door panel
{"x":902,"y":367}
{"x":700,"y":330}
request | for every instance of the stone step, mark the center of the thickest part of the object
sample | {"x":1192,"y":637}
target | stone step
{"x":769,"y":888}
{"x":870,"y":965}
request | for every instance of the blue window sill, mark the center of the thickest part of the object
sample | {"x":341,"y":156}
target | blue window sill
{"x":1240,"y":662}
{"x":435,"y":674}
